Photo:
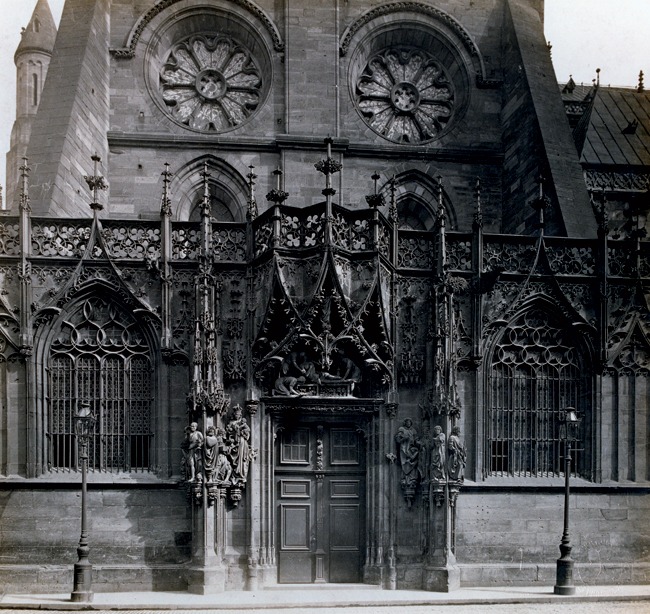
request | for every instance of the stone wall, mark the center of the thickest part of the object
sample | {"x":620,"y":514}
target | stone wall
{"x":507,"y":536}
{"x":139,"y":538}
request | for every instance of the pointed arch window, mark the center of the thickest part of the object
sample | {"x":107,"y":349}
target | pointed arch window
{"x":100,"y":356}
{"x":536,"y":372}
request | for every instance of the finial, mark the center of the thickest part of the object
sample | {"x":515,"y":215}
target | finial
{"x":441,"y":204}
{"x":277,"y":195}
{"x":375,"y":200}
{"x":549,"y":47}
{"x":24,"y":186}
{"x":640,"y":87}
{"x":392,"y":213}
{"x":597,"y":77}
{"x":205,"y":203}
{"x":328,"y":167}
{"x":252,"y":205}
{"x":96,"y":182}
{"x":478,"y":215}
{"x":166,"y":205}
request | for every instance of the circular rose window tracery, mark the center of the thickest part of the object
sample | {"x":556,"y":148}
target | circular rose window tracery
{"x":405,"y":95}
{"x":210,"y":84}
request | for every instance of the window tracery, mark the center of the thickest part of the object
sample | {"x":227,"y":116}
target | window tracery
{"x":535,"y":374}
{"x":405,"y":95}
{"x":100,"y":356}
{"x":210,"y":84}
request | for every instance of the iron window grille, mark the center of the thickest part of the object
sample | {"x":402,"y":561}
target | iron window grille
{"x":535,"y":374}
{"x":100,"y":356}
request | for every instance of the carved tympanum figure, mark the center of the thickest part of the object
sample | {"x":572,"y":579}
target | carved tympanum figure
{"x":344,"y":369}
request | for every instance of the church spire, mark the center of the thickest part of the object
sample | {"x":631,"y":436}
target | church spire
{"x":32,"y":60}
{"x":40,"y":33}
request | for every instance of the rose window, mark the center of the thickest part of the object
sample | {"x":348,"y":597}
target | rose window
{"x":210,"y":84}
{"x":405,"y":96}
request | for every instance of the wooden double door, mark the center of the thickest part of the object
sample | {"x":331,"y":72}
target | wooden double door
{"x":320,"y":483}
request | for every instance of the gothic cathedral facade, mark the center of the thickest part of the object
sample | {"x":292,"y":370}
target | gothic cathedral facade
{"x":329,"y":277}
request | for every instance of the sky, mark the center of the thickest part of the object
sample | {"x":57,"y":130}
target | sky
{"x":585,"y":34}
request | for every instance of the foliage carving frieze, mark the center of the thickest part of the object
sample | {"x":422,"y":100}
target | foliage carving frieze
{"x":65,"y":240}
{"x":415,"y":251}
{"x":613,"y":180}
{"x":459,"y":255}
{"x":621,"y":259}
{"x":186,"y":241}
{"x":571,"y":259}
{"x":9,"y":238}
{"x":138,"y":241}
{"x":229,"y":244}
{"x":509,"y":257}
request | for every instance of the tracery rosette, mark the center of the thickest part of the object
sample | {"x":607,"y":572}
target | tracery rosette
{"x":210,"y":84}
{"x":405,"y":95}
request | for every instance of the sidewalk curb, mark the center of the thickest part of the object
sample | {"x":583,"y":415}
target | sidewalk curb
{"x":249,"y":602}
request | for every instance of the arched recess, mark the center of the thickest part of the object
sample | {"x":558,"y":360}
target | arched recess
{"x":228,"y":191}
{"x":100,"y":351}
{"x":417,"y":197}
{"x":538,"y":364}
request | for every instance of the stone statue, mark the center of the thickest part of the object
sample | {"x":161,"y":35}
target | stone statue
{"x":194,"y":445}
{"x":438,"y":454}
{"x":457,"y":456}
{"x":216,"y":465}
{"x":409,"y":457}
{"x":238,"y":435}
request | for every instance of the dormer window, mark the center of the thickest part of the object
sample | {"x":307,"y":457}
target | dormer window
{"x":37,"y":25}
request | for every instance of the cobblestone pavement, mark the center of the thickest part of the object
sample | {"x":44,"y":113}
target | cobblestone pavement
{"x":600,"y":607}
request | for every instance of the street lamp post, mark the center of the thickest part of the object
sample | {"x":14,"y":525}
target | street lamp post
{"x":564,"y":571}
{"x":84,"y":422}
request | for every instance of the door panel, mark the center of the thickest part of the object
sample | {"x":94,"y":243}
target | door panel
{"x":320,"y":477}
{"x":295,"y":551}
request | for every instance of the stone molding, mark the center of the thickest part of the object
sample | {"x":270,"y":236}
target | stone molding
{"x":128,"y":51}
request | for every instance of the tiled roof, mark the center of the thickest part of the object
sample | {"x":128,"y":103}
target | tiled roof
{"x":619,"y":129}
